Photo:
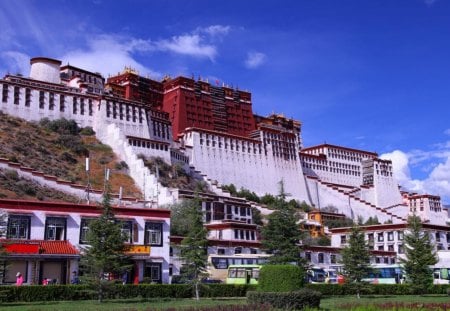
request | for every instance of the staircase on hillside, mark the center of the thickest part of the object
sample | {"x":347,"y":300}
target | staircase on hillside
{"x":350,"y":195}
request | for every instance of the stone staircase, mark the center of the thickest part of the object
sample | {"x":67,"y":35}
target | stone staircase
{"x":351,"y":198}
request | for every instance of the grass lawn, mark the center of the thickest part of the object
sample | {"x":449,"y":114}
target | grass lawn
{"x":343,"y":303}
{"x":122,"y":305}
{"x":327,"y":303}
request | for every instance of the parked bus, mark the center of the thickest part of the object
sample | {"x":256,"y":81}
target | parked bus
{"x":316,"y":275}
{"x":243,"y":274}
{"x":441,"y":275}
{"x":385,"y":274}
{"x":218,"y":264}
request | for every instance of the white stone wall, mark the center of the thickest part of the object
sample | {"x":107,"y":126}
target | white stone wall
{"x":153,"y":191}
{"x":387,"y":192}
{"x":322,"y":196}
{"x":254,"y":171}
{"x":34,"y":110}
{"x":47,"y":71}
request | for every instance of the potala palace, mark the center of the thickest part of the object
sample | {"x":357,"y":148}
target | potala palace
{"x":212,"y":132}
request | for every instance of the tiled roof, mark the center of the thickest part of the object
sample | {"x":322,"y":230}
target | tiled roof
{"x":58,"y":247}
{"x":40,"y":247}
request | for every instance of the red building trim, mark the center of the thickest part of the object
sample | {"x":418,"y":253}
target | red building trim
{"x":66,"y":208}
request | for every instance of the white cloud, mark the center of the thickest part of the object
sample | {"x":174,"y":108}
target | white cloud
{"x":191,"y":45}
{"x":400,"y":163}
{"x":16,"y":62}
{"x":255,"y":59}
{"x":214,"y":30}
{"x":437,"y":182}
{"x":430,"y":2}
{"x":109,"y":54}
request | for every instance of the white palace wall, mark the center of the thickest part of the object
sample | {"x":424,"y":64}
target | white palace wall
{"x":323,"y":196}
{"x":387,"y":191}
{"x":47,"y":103}
{"x":252,"y":170}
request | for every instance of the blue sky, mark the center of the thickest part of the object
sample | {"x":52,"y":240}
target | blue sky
{"x":371,"y":74}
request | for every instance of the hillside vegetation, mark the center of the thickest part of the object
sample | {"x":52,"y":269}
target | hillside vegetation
{"x":14,"y":187}
{"x":59,"y":148}
{"x":173,"y":176}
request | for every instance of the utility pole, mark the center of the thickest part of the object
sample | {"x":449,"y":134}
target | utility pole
{"x":106,"y":179}
{"x":88,"y":186}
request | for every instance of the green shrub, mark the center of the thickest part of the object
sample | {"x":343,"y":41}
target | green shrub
{"x":280,"y":278}
{"x":225,"y":290}
{"x":295,"y":300}
{"x":117,"y":291}
{"x":87,"y":131}
{"x":61,"y":126}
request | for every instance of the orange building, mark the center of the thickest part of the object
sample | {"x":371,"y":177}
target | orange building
{"x":316,"y":222}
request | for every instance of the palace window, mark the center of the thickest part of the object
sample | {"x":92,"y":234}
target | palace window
{"x":18,"y":227}
{"x":61,"y":103}
{"x":380,"y":237}
{"x":438,"y":236}
{"x":41,"y":99}
{"x":390,"y":236}
{"x":333,"y":258}
{"x":127,"y":230}
{"x":16,"y":95}
{"x":82,"y":106}
{"x":320,"y":258}
{"x":55,"y":228}
{"x":90,"y":107}
{"x":51,"y":99}
{"x":5,"y":93}
{"x":153,"y":233}
{"x":75,"y":105}
{"x":27,"y":97}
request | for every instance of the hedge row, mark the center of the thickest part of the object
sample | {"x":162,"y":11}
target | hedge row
{"x":373,"y":289}
{"x":295,"y":300}
{"x":280,"y":278}
{"x":82,"y":292}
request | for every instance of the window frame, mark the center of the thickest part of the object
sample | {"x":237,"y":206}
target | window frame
{"x":147,"y":233}
{"x":47,"y":224}
{"x":17,"y":236}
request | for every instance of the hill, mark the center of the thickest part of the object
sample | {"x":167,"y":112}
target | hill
{"x":58,"y":148}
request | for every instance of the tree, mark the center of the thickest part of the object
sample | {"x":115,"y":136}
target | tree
{"x":179,"y":222}
{"x":257,"y":217}
{"x":194,"y":247}
{"x":420,"y":256}
{"x":105,"y":254}
{"x":356,"y":259}
{"x":372,"y":221}
{"x":281,"y":235}
{"x":339,"y":222}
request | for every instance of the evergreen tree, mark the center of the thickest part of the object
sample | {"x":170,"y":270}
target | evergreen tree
{"x":105,"y":256}
{"x":281,"y":235}
{"x":194,"y":247}
{"x":356,"y":259}
{"x":420,"y":256}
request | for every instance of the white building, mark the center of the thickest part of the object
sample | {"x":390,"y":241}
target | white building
{"x":390,"y":238}
{"x":44,"y":240}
